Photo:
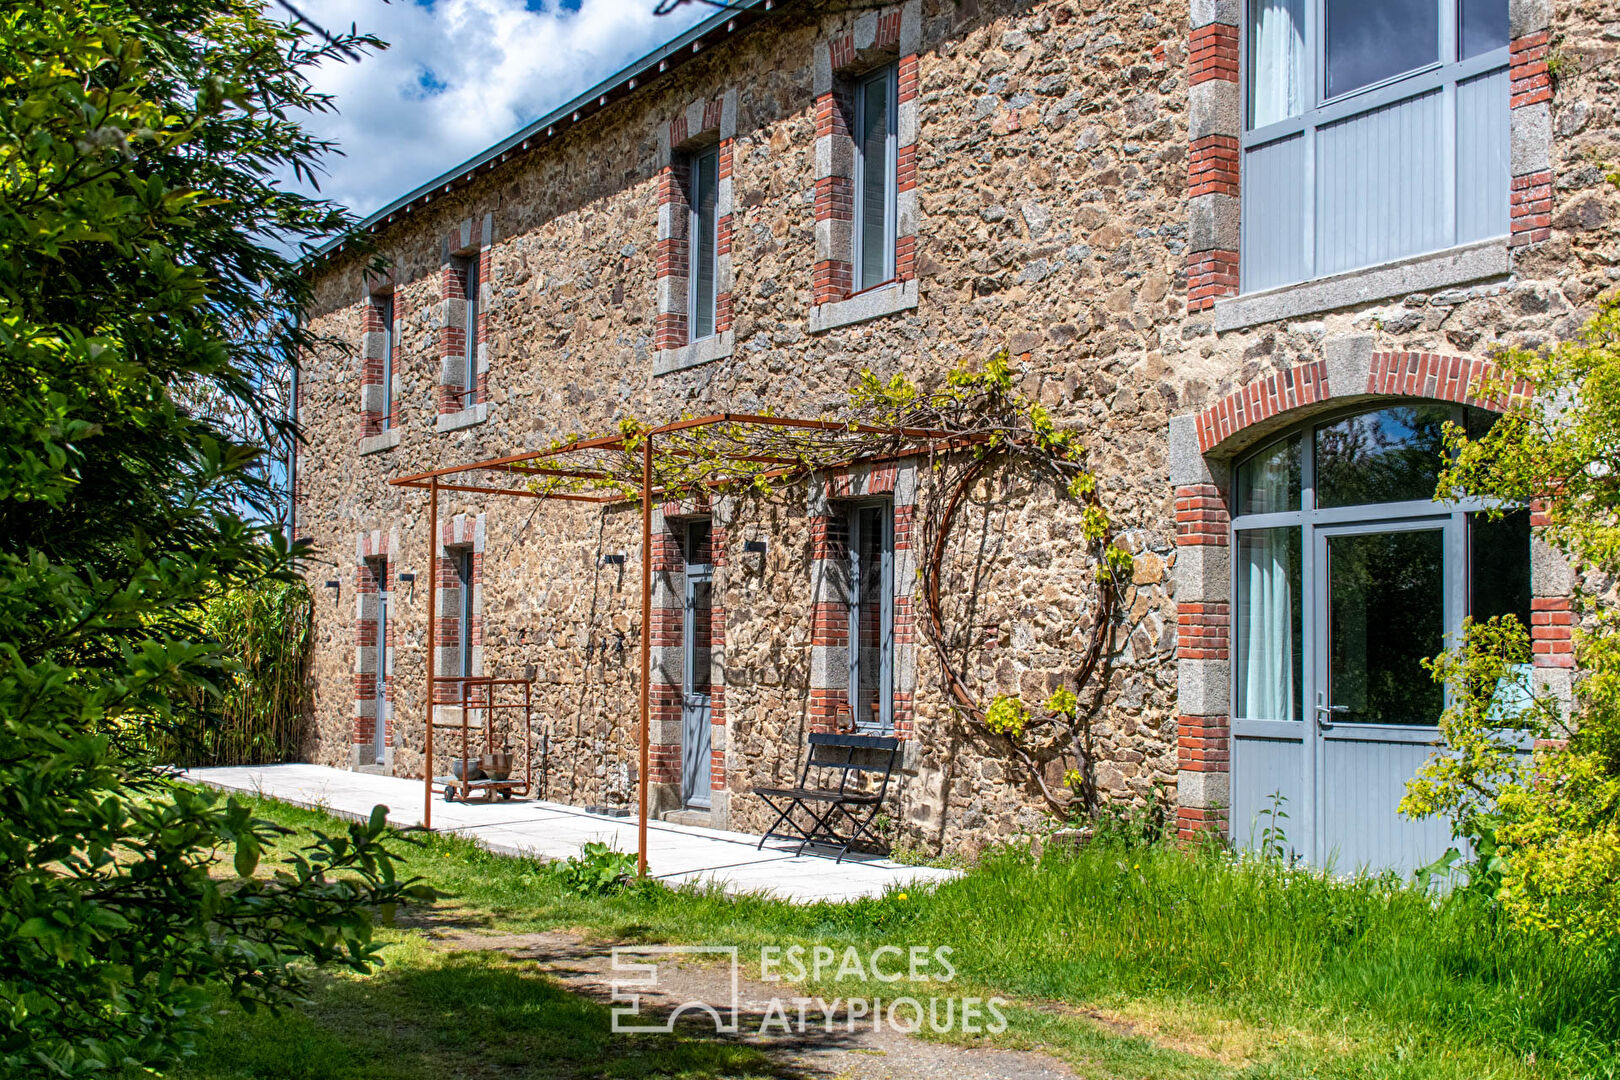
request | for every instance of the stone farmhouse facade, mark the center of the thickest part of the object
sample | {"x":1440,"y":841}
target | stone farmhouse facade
{"x":1254,"y":250}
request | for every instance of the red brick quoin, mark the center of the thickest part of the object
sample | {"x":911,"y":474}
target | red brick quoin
{"x":1213,"y":55}
{"x":1530,"y":85}
{"x":373,"y":555}
{"x":1212,"y":165}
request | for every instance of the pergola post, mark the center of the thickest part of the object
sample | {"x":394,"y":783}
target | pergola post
{"x":432,"y":640}
{"x":646,"y":645}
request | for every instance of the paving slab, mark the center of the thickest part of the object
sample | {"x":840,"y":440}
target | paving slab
{"x":675,"y":853}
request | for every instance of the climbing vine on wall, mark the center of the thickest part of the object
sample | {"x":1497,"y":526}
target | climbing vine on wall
{"x":1000,"y":430}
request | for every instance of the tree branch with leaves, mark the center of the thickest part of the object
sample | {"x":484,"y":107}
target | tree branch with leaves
{"x":146,"y":298}
{"x":1545,"y":828}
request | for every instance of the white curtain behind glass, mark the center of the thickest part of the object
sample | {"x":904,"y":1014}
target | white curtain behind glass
{"x":1276,"y":60}
{"x":1266,"y":628}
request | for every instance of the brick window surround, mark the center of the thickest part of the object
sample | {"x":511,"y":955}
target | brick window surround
{"x":459,"y":535}
{"x":668,"y":640}
{"x":1215,"y":130}
{"x":1203,"y":447}
{"x":468,"y":241}
{"x":829,"y":508}
{"x":377,"y":300}
{"x":702,"y":125}
{"x":373,"y":658}
{"x":857,"y":44}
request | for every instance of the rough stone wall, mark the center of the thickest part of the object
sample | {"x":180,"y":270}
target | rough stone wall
{"x":1049,"y":172}
{"x":1052,"y":219}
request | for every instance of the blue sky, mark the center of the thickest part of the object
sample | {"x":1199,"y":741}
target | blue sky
{"x":462,"y":74}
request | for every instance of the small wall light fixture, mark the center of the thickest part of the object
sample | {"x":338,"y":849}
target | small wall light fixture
{"x":615,"y":559}
{"x":408,"y":578}
{"x":754,"y":547}
{"x":337,"y":587}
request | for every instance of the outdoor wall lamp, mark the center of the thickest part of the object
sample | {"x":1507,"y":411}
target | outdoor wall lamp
{"x":615,"y":559}
{"x":753,"y":558}
{"x":408,"y":578}
{"x":337,"y":589}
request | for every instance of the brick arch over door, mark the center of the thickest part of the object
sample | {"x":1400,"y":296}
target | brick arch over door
{"x":1203,"y":446}
{"x":1247,"y":414}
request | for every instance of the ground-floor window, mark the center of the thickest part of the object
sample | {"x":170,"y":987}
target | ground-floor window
{"x":378,"y":568}
{"x":871,"y":615}
{"x":697,"y":689}
{"x":464,"y":612}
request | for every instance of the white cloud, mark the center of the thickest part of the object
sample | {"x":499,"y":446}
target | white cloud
{"x":460,"y":75}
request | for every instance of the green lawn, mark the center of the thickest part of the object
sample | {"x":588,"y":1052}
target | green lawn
{"x":1129,"y":961}
{"x":433,"y":1014}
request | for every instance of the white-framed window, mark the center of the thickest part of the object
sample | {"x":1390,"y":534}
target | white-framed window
{"x":876,"y":177}
{"x":703,"y":250}
{"x":1375,"y":130}
{"x":871,"y":615}
{"x":385,"y":309}
{"x":467,"y":269}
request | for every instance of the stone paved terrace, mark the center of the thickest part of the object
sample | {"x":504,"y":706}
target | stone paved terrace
{"x":675,"y":853}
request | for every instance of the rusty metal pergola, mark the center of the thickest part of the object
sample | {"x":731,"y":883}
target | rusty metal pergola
{"x":688,"y":456}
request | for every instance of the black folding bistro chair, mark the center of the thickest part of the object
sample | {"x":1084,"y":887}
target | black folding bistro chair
{"x":840,"y":814}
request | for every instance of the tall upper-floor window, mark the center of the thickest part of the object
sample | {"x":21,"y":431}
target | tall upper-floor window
{"x":385,"y":309}
{"x":467,"y":269}
{"x":1376,"y":130}
{"x":704,"y":244}
{"x":876,"y":186}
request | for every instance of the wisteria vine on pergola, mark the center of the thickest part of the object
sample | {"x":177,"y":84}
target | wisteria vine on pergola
{"x":976,"y":425}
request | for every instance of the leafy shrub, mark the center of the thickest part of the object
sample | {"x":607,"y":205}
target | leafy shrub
{"x":148,"y":306}
{"x":1547,"y":831}
{"x":597,"y":869}
{"x":1131,"y":826}
{"x":266,"y":631}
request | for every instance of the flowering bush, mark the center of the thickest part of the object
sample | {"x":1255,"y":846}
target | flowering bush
{"x":1546,"y":831}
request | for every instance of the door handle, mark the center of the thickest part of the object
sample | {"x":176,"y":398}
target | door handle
{"x":1325,"y":711}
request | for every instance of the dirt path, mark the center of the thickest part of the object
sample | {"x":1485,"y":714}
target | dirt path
{"x":868,"y":1052}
